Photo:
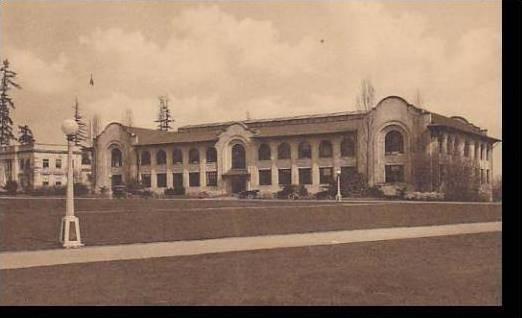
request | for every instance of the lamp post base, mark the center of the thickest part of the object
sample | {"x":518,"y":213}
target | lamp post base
{"x":68,"y":240}
{"x":338,"y":198}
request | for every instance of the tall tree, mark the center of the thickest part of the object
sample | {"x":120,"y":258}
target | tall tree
{"x":25,"y":135}
{"x":96,"y":125}
{"x":365,"y":102}
{"x":6,"y":103}
{"x":81,"y":135}
{"x":164,"y":115}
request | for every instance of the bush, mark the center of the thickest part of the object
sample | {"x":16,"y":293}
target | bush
{"x":80,"y":189}
{"x":497,"y":190}
{"x":461,"y":183}
{"x":292,"y":190}
{"x":424,"y":196}
{"x":48,"y":191}
{"x":174,"y":191}
{"x":11,"y":186}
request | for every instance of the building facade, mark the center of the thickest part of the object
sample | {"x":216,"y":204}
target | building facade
{"x":386,"y":144}
{"x":41,"y":165}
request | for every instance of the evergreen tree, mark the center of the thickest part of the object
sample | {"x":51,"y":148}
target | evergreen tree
{"x":164,"y":115}
{"x":6,"y":103}
{"x":81,"y":135}
{"x":365,"y":103}
{"x":26,"y":135}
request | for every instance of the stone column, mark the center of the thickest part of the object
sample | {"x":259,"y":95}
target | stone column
{"x":184,"y":151}
{"x":169,"y":166}
{"x":315,"y":162}
{"x":202,"y":166}
{"x":273,"y":157}
{"x":294,"y":155}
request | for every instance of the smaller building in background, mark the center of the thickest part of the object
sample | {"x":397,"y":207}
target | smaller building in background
{"x":42,"y":165}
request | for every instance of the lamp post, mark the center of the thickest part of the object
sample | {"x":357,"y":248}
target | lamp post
{"x":70,"y":128}
{"x":338,"y":197}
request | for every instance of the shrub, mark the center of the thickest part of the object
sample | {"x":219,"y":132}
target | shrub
{"x":461,"y":183}
{"x":424,"y":196}
{"x":80,"y":189}
{"x":11,"y":186}
{"x":175,"y":191}
{"x":497,"y":189}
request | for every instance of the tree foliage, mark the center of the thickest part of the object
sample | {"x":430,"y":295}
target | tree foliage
{"x":164,"y":115}
{"x":6,"y":103}
{"x":25,"y":135}
{"x":81,"y":136}
{"x":365,"y":102}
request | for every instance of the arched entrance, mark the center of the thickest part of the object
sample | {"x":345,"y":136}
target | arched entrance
{"x":238,"y":175}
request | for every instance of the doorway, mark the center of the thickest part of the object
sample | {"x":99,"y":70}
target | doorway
{"x":238,"y":184}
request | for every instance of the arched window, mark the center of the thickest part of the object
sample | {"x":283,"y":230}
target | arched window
{"x":347,"y":147}
{"x":177,"y":156}
{"x":263,"y":152}
{"x":145,"y":158}
{"x":211,"y":154}
{"x":304,"y":150}
{"x":325,"y":149}
{"x":161,"y":157}
{"x":238,"y":157}
{"x":116,"y":158}
{"x":394,"y":142}
{"x":283,"y":151}
{"x":193,"y":155}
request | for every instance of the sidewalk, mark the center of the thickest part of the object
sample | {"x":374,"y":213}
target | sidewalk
{"x":25,"y":259}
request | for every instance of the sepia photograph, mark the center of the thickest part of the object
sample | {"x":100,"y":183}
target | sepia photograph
{"x":251,"y":153}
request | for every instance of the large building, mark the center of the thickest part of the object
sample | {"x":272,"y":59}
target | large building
{"x":41,"y":165}
{"x":387,"y":144}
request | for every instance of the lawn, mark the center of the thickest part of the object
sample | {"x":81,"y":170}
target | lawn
{"x":29,"y":224}
{"x":452,"y":270}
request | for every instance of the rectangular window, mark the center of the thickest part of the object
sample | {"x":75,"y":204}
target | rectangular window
{"x":466,"y":149}
{"x":440,"y":140}
{"x":326,"y":175}
{"x":394,"y":173}
{"x":146,"y":181}
{"x":487,"y":176}
{"x":305,"y":176}
{"x":481,"y":176}
{"x":285,"y":176}
{"x":116,"y":179}
{"x":45,"y":181}
{"x":265,"y":177}
{"x":348,"y":171}
{"x":21,"y":164}
{"x":57,"y":181}
{"x":45,"y":163}
{"x":178,"y":180}
{"x":58,"y":163}
{"x":212,"y":178}
{"x":161,"y":180}
{"x":194,"y":179}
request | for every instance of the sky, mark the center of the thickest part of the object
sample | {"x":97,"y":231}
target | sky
{"x":216,"y":61}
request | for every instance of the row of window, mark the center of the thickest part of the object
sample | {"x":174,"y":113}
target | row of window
{"x":326,"y":175}
{"x":452,"y":147}
{"x":57,"y":181}
{"x":194,"y":179}
{"x":304,"y":150}
{"x":177,"y":156}
{"x":57,"y":163}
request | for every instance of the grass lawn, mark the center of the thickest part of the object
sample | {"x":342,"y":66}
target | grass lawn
{"x":451,"y":270}
{"x":30,"y":224}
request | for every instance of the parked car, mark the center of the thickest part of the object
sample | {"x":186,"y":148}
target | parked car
{"x":250,"y":194}
{"x":292,"y":192}
{"x":326,"y":194}
{"x":119,"y":191}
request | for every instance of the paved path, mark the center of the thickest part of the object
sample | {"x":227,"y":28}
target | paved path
{"x":24,"y":259}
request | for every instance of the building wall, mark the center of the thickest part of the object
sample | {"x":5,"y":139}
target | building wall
{"x":26,"y":164}
{"x":371,"y":159}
